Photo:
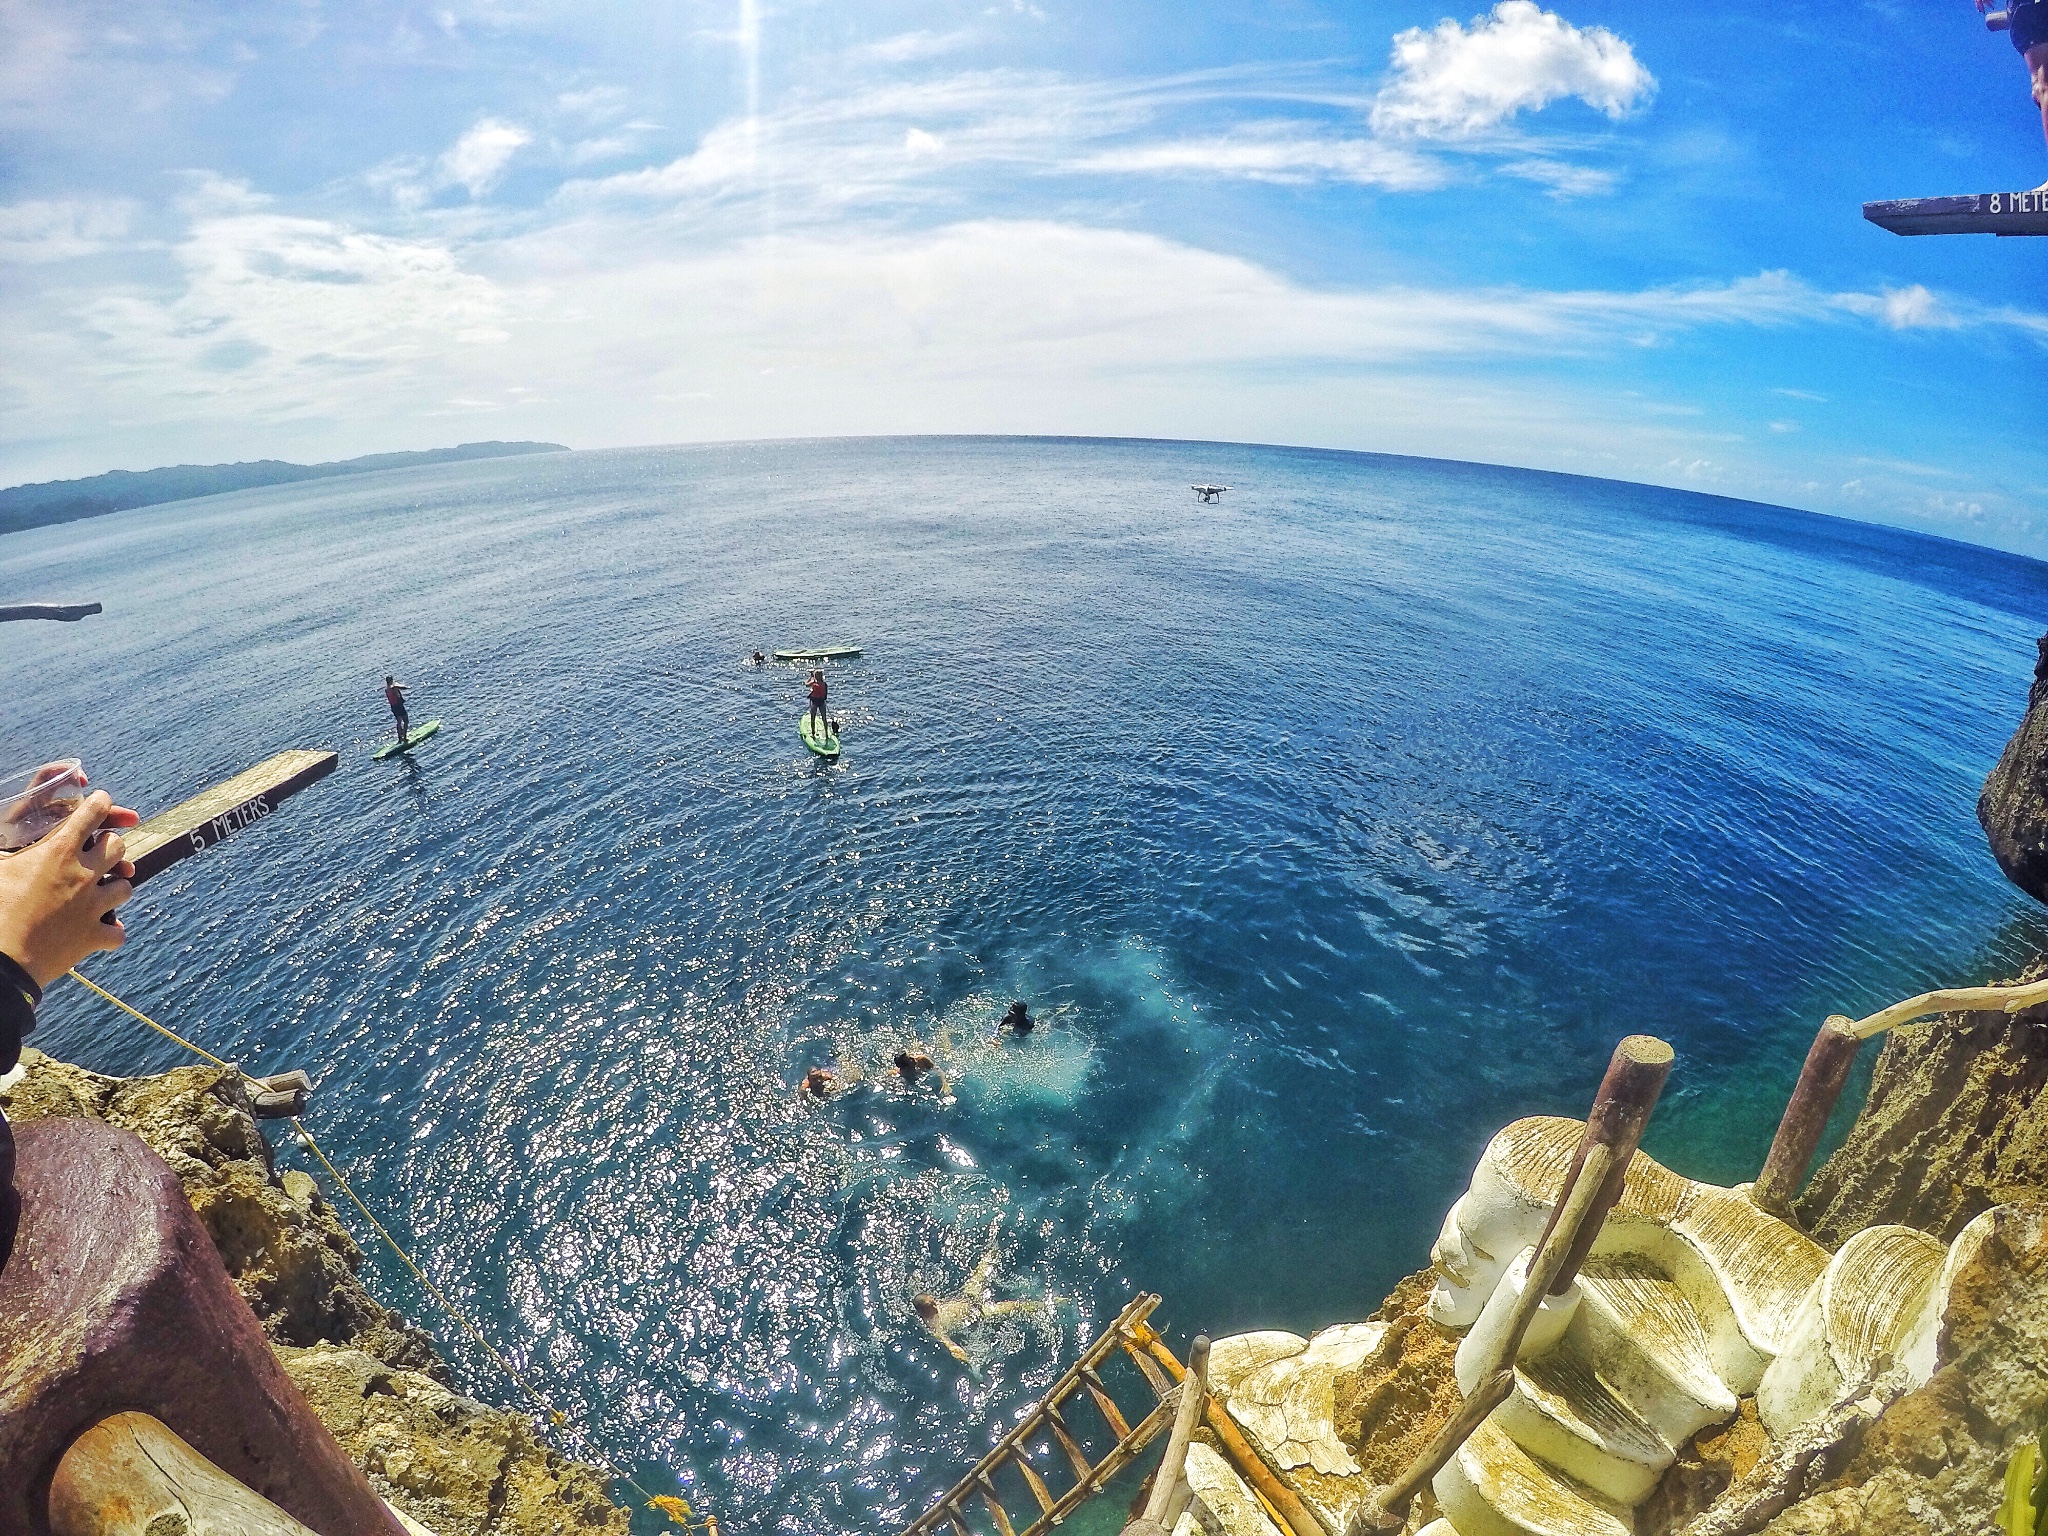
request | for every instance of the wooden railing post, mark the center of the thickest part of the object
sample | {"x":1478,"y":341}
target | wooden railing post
{"x":128,"y":1473}
{"x":1628,"y":1093}
{"x":1805,"y":1121}
{"x":1194,"y":1392}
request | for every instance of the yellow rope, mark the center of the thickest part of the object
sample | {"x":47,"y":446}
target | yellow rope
{"x":676,"y":1509}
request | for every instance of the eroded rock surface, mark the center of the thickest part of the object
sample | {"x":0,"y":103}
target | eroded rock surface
{"x":2013,"y":808}
{"x":454,"y":1465}
{"x":1956,"y":1122}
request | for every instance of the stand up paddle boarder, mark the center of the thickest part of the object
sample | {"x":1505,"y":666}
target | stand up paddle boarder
{"x":818,"y":717}
{"x":394,"y":695}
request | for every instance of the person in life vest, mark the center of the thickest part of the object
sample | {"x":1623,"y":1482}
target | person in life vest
{"x":2026,"y":21}
{"x":818,"y":717}
{"x":394,"y":695}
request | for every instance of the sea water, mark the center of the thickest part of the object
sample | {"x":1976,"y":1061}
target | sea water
{"x":1328,"y":827}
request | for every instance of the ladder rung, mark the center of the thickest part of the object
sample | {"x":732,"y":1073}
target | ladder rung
{"x":953,"y":1519}
{"x":1160,"y":1385}
{"x":995,"y":1507}
{"x":1076,"y":1457}
{"x":1105,"y":1404}
{"x":1038,"y":1489}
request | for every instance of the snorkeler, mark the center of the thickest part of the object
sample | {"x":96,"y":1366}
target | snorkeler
{"x":959,"y":1315}
{"x":1018,"y":1020}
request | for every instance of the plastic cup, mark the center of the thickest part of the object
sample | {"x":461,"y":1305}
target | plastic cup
{"x":34,"y":803}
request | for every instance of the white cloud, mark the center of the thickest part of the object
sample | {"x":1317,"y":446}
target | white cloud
{"x":1450,"y":80}
{"x":60,"y":230}
{"x":917,"y":142}
{"x":1268,"y":153}
{"x":1562,"y":179}
{"x":478,"y":159}
{"x":910,"y":47}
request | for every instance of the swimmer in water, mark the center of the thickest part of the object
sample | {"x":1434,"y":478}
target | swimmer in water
{"x":911,"y":1065}
{"x":959,"y":1315}
{"x":759,"y":659}
{"x":818,"y":1084}
{"x":1018,"y":1020}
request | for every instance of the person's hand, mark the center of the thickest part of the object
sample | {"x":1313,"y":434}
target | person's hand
{"x":53,"y":895}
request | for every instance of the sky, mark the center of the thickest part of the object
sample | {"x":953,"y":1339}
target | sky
{"x":1609,"y":239}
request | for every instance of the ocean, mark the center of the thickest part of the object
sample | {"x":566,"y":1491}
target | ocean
{"x":1327,"y":828}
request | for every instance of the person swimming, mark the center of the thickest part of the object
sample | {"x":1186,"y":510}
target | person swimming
{"x":1018,"y":1020}
{"x":760,"y":660}
{"x":911,"y":1065}
{"x":818,"y":1084}
{"x":961,"y":1314}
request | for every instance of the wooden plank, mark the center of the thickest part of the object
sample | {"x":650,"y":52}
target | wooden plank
{"x":1076,"y":1457}
{"x":63,"y":613}
{"x":987,"y":1490}
{"x":957,"y":1525}
{"x":1021,"y":1459}
{"x":216,"y":814}
{"x":1105,"y":1405}
{"x":1194,"y":1396}
{"x":130,"y":1475}
{"x":1979,"y":213}
{"x":1153,"y":1375}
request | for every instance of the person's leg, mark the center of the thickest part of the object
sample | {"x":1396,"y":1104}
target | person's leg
{"x":2037,"y":66}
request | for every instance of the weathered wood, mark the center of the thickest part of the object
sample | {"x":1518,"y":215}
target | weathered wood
{"x":1105,"y":1404}
{"x":2007,"y":999}
{"x":1622,"y":1106}
{"x":1805,"y":1121}
{"x":1194,"y":1394}
{"x":1081,"y":1373}
{"x":1076,"y":1457}
{"x":1388,"y":1511}
{"x":1150,"y":1428}
{"x":63,"y":613}
{"x":1979,"y":213}
{"x":987,"y":1490}
{"x":218,"y":813}
{"x":955,"y":1523}
{"x":128,"y":1472}
{"x":1021,"y":1459}
{"x":1154,"y":1377}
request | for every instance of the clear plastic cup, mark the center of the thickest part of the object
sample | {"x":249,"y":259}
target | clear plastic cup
{"x":34,"y":803}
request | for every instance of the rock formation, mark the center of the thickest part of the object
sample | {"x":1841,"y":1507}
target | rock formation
{"x":2013,"y":808}
{"x":454,"y":1465}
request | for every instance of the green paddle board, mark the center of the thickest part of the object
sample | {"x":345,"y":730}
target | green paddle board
{"x":414,"y":737}
{"x":824,"y":746}
{"x":823,"y":653}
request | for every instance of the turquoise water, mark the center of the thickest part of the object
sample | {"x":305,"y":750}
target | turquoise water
{"x":1335,"y":824}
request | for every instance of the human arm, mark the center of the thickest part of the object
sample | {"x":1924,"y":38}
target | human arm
{"x":53,"y":896}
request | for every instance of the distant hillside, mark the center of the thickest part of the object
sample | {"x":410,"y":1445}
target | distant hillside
{"x":63,"y":501}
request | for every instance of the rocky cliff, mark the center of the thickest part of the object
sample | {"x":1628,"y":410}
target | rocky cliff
{"x":454,"y":1465}
{"x":2013,"y":808}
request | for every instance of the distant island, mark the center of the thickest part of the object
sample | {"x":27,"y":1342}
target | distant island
{"x":119,"y":490}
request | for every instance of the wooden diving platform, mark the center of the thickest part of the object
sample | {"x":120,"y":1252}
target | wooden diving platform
{"x":64,"y":613}
{"x":216,"y":814}
{"x":1978,"y":213}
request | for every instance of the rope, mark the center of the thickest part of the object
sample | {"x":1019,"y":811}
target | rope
{"x":676,"y":1509}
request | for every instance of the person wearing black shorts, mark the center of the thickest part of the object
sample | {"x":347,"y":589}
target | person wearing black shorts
{"x":2027,"y":22}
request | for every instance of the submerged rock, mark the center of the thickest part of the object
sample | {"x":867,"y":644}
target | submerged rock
{"x":2013,"y":808}
{"x":1956,"y":1122}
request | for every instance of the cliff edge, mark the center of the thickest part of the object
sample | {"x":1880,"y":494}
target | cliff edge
{"x":457,"y":1467}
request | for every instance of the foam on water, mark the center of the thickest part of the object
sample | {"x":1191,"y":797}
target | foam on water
{"x":1327,"y":829}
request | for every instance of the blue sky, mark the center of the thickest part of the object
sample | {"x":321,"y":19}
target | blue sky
{"x":1617,"y":240}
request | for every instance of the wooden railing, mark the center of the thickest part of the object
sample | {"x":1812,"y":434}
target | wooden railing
{"x":1635,"y":1077}
{"x":1826,"y":1070}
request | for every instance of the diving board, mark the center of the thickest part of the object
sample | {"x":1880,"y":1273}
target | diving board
{"x":215,"y":814}
{"x":1980,"y":213}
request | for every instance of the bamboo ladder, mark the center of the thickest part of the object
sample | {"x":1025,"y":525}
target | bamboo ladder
{"x":1128,"y":1333}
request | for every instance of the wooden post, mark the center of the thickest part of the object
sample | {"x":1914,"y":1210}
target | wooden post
{"x":1194,"y":1392}
{"x":1628,"y":1093}
{"x":128,"y":1473}
{"x":1828,"y":1061}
